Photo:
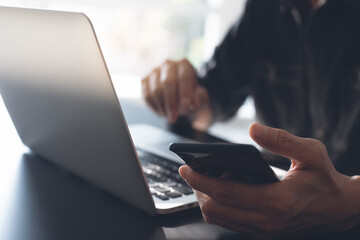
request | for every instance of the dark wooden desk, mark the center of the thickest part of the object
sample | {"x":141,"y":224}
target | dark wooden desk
{"x":39,"y":200}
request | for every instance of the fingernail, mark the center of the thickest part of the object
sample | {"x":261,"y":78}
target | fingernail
{"x":184,"y":171}
{"x":258,"y":131}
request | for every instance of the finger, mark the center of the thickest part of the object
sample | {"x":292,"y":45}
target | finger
{"x":169,"y":82}
{"x":238,"y":219}
{"x":214,"y":214}
{"x":201,"y":97}
{"x":187,"y":82}
{"x":247,"y":196}
{"x":145,"y":88}
{"x":214,"y":210}
{"x":201,"y":198}
{"x":156,"y":91}
{"x":282,"y":143}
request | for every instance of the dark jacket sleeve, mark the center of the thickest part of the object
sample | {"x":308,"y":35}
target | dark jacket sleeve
{"x":226,"y":75}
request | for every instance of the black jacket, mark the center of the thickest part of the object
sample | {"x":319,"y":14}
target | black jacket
{"x":302,"y":68}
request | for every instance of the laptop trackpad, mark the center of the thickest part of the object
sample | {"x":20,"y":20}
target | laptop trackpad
{"x":156,"y":140}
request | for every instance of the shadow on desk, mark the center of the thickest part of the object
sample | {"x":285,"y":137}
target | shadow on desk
{"x":48,"y":202}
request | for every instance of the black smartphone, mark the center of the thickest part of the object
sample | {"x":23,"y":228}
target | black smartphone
{"x":238,"y":162}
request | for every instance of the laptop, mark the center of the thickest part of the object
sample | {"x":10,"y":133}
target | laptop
{"x":59,"y":94}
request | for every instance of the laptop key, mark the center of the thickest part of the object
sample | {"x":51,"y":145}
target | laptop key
{"x":170,"y":183}
{"x":161,"y":189}
{"x":173,"y":194}
{"x":152,"y":191}
{"x":161,"y":196}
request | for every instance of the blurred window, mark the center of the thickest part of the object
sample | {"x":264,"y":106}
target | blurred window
{"x":136,"y":35}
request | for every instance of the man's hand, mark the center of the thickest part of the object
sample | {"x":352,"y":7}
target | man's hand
{"x":172,"y":90}
{"x":312,"y":197}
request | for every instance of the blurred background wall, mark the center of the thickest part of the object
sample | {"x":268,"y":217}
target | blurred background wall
{"x":136,"y":35}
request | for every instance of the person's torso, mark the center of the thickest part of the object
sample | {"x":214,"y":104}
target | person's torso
{"x":306,"y":72}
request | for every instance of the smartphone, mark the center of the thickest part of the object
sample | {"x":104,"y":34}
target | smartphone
{"x":237,"y":162}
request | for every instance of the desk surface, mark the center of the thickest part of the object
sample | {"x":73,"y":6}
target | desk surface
{"x":39,"y":200}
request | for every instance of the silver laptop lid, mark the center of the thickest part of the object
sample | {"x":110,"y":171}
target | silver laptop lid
{"x":59,"y":94}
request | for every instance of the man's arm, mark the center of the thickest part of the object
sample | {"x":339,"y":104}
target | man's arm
{"x":227,"y":75}
{"x":312,"y":197}
{"x":173,"y":89}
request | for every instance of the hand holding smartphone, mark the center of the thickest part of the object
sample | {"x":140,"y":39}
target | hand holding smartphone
{"x":238,"y":162}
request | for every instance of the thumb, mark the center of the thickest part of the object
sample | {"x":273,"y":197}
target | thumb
{"x":280,"y":142}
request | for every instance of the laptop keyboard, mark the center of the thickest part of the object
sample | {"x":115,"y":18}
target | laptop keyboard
{"x":163,"y":177}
